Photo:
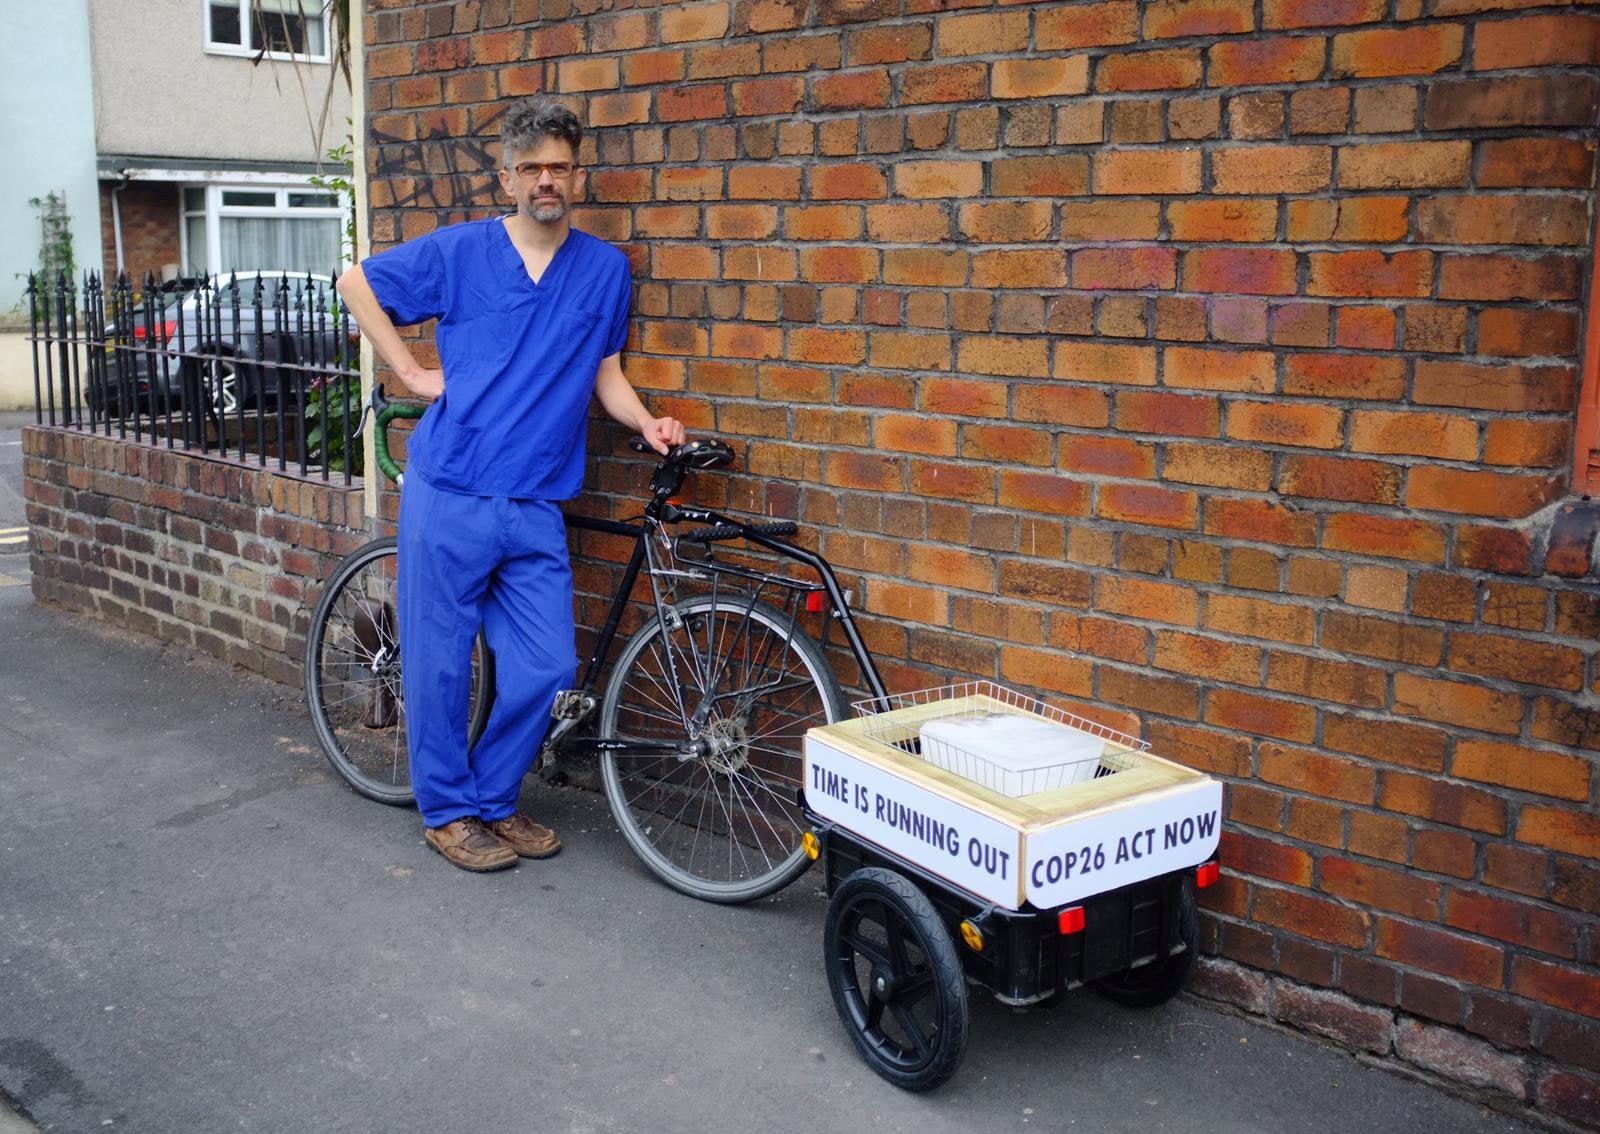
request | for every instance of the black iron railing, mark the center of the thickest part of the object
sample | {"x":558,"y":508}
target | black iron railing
{"x":258,"y":366}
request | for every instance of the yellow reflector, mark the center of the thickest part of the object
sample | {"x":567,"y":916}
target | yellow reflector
{"x":973,"y":936}
{"x":812,"y":846}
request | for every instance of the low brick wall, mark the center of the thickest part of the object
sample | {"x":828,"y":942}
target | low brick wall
{"x":202,"y":551}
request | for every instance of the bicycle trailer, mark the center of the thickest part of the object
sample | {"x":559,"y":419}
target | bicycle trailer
{"x":970,"y":835}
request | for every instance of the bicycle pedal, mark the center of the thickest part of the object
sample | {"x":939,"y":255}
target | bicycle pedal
{"x":572,"y":705}
{"x":551,"y":772}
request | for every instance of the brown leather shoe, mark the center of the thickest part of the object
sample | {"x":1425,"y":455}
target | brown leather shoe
{"x":526,"y":837}
{"x":468,"y":844}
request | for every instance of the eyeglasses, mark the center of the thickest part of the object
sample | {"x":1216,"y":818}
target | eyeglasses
{"x":530,"y":170}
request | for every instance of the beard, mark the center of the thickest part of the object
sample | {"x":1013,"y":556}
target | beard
{"x":547,"y":209}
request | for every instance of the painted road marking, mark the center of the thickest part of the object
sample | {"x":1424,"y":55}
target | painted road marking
{"x":8,"y":581}
{"x":13,"y":536}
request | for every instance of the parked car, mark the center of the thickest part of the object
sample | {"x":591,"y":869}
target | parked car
{"x":232,"y":341}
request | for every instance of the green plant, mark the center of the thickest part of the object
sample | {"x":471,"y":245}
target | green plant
{"x":342,"y":181}
{"x":329,"y":403}
{"x":55,"y":251}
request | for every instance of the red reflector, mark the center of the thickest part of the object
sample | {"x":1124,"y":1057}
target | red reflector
{"x":816,"y":602}
{"x":1070,"y":921}
{"x":1207,"y":874}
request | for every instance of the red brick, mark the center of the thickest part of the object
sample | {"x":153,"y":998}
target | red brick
{"x":688,"y":22}
{"x":1536,"y":41}
{"x":854,"y":90}
{"x":1244,"y":853}
{"x":1545,"y":162}
{"x":1526,"y":219}
{"x":1147,"y":504}
{"x":1260,"y":521}
{"x":1243,"y":371}
{"x":1365,"y":533}
{"x":1405,"y":165}
{"x":1371,"y":274}
{"x":1480,"y":493}
{"x":1389,"y":741}
{"x":1040,"y":78}
{"x":1105,"y":456}
{"x":1443,"y":802}
{"x":1147,"y":599}
{"x":1350,"y":220}
{"x":1337,"y":478}
{"x":1166,"y":69}
{"x":1168,"y":414}
{"x":1572,"y":1096}
{"x":1518,"y":333}
{"x":1570,"y":832}
{"x":954,"y":82}
{"x":1087,"y":25}
{"x":1013,"y":357}
{"x":1516,"y":922}
{"x":1272,"y":169}
{"x":1433,"y":950}
{"x":1279,"y":423}
{"x":1518,"y":659}
{"x":758,"y":97}
{"x":896,"y":44}
{"x":1573,"y":989}
{"x":1126,"y":268}
{"x":938,"y":178}
{"x":1147,"y":172}
{"x":1320,"y":13}
{"x":1252,"y":62}
{"x":1223,"y":221}
{"x":1312,"y":917}
{"x":1247,"y":271}
{"x":1257,"y":618}
{"x":1535,"y":100}
{"x":1502,"y":278}
{"x":1020,"y":268}
{"x":1062,"y":405}
{"x":1370,"y":378}
{"x":846,"y":182}
{"x":1063,"y":175}
{"x":1265,"y":716}
{"x":1219,"y":466}
{"x":1444,"y":852}
{"x":1385,"y":52}
{"x":1383,"y":889}
{"x":1207,"y":657}
{"x":1043,"y":492}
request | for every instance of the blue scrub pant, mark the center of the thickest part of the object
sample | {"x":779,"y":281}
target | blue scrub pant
{"x":498,"y":563}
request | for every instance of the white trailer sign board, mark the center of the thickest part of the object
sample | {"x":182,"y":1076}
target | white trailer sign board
{"x":1050,"y":849}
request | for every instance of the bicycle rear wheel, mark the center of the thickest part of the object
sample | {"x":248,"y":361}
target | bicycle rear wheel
{"x":724,"y":825}
{"x":352,"y":674}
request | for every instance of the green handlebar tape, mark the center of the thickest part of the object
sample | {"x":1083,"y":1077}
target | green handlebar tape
{"x":380,"y":436}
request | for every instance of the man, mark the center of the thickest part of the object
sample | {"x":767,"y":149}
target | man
{"x":532,"y":317}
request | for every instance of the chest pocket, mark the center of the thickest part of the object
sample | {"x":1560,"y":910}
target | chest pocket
{"x":573,"y":343}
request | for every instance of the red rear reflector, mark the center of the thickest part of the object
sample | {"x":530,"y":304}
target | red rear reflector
{"x":1207,"y":874}
{"x":816,"y":602}
{"x":1070,"y":921}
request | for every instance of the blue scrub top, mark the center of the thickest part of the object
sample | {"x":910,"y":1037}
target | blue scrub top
{"x":519,"y":358}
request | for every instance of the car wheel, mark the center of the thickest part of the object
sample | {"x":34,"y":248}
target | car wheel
{"x":220,"y":379}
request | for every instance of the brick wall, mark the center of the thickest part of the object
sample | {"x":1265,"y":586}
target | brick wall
{"x":150,"y":228}
{"x":201,"y":551}
{"x":1208,"y":366}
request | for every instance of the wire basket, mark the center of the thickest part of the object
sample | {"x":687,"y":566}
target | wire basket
{"x":998,"y":738}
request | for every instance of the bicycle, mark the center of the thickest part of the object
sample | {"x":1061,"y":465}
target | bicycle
{"x":699,"y":728}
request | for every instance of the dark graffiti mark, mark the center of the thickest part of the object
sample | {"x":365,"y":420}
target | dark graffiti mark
{"x":438,"y":171}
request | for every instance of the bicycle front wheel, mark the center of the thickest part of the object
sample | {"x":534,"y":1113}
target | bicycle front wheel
{"x":723,"y":825}
{"x":352,"y":673}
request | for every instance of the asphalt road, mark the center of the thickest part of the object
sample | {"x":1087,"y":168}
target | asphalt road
{"x":201,"y":929}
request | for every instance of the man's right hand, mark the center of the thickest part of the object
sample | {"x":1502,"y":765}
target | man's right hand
{"x":424,"y":383}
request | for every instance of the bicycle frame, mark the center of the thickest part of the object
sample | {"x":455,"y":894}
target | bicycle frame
{"x":658,"y":512}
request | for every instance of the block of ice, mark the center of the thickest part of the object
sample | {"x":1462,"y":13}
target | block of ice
{"x":1011,"y":753}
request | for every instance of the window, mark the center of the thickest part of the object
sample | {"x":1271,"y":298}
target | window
{"x":234,"y":228}
{"x":294,"y":29}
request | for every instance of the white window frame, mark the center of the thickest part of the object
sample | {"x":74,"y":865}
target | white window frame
{"x":215,"y":210}
{"x":247,"y":28}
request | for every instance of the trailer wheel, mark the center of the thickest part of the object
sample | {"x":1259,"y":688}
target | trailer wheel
{"x":896,"y":980}
{"x":1159,"y":981}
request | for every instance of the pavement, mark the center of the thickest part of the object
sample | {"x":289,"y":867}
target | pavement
{"x":202,"y":929}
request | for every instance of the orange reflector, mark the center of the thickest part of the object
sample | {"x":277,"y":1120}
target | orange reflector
{"x":1207,"y":874}
{"x":811,"y":844}
{"x":816,"y":602}
{"x":1071,"y":921}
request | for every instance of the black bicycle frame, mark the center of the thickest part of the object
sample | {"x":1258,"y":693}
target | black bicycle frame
{"x":639,"y":533}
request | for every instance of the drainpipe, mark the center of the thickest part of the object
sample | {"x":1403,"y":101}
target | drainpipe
{"x":116,"y":220}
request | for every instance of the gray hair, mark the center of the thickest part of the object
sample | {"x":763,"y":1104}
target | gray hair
{"x":531,"y":121}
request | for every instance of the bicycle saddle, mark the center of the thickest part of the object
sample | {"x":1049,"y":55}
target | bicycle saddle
{"x":702,"y":454}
